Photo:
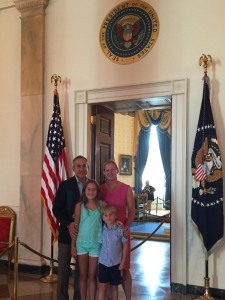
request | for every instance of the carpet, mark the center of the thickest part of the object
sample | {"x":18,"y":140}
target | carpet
{"x":144,"y":229}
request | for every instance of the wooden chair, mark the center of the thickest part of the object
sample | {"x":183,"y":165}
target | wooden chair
{"x":140,"y":201}
{"x":7,"y":232}
{"x":148,"y":207}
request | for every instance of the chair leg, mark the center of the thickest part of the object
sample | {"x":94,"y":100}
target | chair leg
{"x":10,"y":254}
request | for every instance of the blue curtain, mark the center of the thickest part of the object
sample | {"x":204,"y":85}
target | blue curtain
{"x":165,"y":150}
{"x":141,"y":157}
{"x":164,"y":139}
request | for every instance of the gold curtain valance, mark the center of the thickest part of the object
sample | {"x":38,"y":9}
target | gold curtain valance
{"x":166,"y":119}
{"x":143,"y":120}
{"x":145,"y":116}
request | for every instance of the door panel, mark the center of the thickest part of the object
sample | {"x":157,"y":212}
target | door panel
{"x":102,"y":140}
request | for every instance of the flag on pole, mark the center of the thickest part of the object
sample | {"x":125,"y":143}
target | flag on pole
{"x":54,"y":165}
{"x":207,"y":184}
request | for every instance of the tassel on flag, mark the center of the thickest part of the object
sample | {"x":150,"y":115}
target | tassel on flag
{"x":207,"y":188}
{"x":54,"y":165}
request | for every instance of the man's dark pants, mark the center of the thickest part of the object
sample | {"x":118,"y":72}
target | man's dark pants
{"x":64,"y":258}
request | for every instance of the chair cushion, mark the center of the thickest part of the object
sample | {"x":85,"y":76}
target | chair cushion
{"x":4,"y":231}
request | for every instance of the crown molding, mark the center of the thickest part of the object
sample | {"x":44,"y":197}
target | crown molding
{"x":24,"y":6}
{"x":6,"y":4}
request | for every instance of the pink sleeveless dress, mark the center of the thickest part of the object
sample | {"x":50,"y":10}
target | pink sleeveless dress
{"x":118,"y":198}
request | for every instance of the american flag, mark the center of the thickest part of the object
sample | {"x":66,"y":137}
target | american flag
{"x":54,"y":165}
{"x":200,"y":173}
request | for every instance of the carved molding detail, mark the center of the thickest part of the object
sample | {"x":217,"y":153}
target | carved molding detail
{"x":6,"y":4}
{"x":25,"y":5}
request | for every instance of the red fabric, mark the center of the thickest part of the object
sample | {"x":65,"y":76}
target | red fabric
{"x":4,"y":231}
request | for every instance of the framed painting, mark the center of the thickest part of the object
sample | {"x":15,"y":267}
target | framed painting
{"x":125,"y":164}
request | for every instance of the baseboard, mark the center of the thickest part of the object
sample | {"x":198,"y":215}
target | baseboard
{"x":37,"y":270}
{"x":196,"y":290}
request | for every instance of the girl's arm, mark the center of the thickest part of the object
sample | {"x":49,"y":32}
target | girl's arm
{"x":77,"y":211}
{"x":73,"y":247}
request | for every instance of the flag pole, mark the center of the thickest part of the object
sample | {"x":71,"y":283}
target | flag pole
{"x":52,"y":277}
{"x":206,"y":295}
{"x":205,"y":60}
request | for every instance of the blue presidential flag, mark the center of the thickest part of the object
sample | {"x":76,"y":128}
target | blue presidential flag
{"x":207,"y":184}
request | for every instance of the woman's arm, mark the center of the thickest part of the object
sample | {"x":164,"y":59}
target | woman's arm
{"x":130,"y":207}
{"x":104,"y":204}
{"x":124,"y":256}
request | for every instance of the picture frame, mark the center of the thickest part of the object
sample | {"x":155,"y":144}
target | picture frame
{"x":125,"y":164}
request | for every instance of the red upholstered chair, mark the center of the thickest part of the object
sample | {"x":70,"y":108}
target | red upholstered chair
{"x":7,"y":232}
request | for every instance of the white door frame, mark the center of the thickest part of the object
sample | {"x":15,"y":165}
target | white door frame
{"x":177,"y":89}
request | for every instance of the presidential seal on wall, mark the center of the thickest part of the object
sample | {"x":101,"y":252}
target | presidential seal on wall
{"x":129,"y":31}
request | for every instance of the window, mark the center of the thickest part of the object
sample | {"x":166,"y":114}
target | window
{"x":154,"y":171}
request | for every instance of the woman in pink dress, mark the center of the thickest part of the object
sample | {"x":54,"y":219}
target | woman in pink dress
{"x":119,"y":194}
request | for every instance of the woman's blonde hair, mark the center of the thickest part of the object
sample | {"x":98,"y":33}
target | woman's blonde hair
{"x":110,"y":161}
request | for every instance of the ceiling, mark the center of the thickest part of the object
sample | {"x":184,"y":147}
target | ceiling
{"x":139,"y":104}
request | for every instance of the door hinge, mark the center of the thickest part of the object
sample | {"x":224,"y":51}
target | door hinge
{"x":93,"y":120}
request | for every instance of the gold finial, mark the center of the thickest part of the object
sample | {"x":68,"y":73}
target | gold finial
{"x":205,"y":60}
{"x":56,"y":79}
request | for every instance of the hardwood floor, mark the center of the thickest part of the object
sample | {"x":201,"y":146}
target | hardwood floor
{"x":150,"y":270}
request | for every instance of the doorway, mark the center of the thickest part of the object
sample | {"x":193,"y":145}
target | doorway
{"x":148,"y":213}
{"x":127,"y":94}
